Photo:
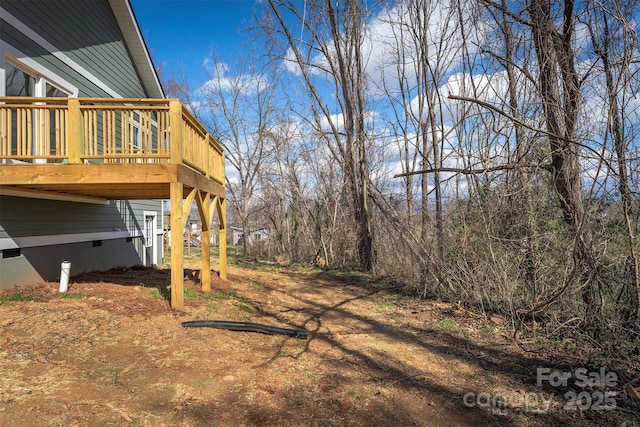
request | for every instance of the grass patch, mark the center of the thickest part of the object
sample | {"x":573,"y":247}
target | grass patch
{"x":357,"y":396}
{"x":67,"y":295}
{"x":358,"y":277}
{"x":17,"y":296}
{"x":190,"y":293}
{"x":161,"y":292}
{"x":243,"y":307}
{"x":447,"y":324}
{"x":193,"y":256}
{"x":217,"y":296}
{"x":222,"y":295}
{"x":350,"y":277}
{"x":387,"y":303}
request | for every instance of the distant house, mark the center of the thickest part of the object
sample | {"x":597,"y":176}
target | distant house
{"x":89,"y":146}
{"x":193,"y":225}
{"x":255,"y":236}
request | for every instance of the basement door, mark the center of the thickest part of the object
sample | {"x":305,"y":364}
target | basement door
{"x":150,"y":250}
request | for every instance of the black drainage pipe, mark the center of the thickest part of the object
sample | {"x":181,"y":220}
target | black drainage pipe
{"x":247,"y":327}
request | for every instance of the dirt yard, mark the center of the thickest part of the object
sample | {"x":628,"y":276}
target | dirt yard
{"x":112,"y":352}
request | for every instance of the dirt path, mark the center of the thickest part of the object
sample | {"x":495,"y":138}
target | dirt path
{"x":114,"y":353}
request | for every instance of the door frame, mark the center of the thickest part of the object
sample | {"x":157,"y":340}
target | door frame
{"x":150,"y":238}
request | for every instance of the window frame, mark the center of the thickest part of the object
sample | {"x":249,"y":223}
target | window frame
{"x":41,"y":77}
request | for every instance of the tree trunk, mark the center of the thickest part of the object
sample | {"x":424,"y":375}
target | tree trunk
{"x":351,"y":77}
{"x":603,"y":50}
{"x":559,"y":91}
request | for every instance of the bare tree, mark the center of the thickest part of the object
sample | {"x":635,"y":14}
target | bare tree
{"x":425,"y":48}
{"x":559,"y":87}
{"x":239,"y":101}
{"x":331,"y":51}
{"x":615,"y":44}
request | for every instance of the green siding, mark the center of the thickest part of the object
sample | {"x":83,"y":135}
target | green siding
{"x":43,"y":263}
{"x":16,"y":39}
{"x":88,"y":35}
{"x":22,"y":216}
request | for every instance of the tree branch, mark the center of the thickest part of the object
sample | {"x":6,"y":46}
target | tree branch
{"x":528,"y":126}
{"x":468,"y":171}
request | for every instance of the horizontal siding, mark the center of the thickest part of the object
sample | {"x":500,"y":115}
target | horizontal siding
{"x":15,"y":38}
{"x":88,"y":33}
{"x":22,"y":216}
{"x":132,"y":212}
{"x":38,"y":264}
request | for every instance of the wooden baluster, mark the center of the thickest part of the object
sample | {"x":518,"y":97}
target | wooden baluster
{"x":29,"y":141}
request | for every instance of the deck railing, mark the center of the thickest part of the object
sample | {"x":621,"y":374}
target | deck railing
{"x":96,"y":130}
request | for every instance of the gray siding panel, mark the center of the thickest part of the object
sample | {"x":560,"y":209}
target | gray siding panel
{"x":38,"y":264}
{"x":22,"y":216}
{"x":25,"y":217}
{"x":15,"y":38}
{"x":88,"y":35}
{"x":132,"y":212}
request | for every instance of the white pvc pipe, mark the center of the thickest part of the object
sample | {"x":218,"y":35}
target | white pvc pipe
{"x":65,"y":268}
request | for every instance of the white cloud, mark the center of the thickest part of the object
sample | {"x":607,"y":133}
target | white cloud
{"x":224,"y":80}
{"x":390,"y":49}
{"x":394,"y":51}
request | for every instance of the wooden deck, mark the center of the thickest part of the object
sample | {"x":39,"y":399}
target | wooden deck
{"x":117,"y":149}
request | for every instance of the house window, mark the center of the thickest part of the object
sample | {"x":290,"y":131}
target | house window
{"x":136,"y":136}
{"x":21,"y":81}
{"x":18,"y":82}
{"x":54,"y":92}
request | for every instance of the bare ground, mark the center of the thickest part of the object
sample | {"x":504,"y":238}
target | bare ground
{"x":112,"y":352}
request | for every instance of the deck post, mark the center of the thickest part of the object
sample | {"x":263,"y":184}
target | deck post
{"x":177,"y":228}
{"x":176,"y":127}
{"x":205,"y":219}
{"x":75,"y":140}
{"x":222,"y":239}
{"x":207,"y":156}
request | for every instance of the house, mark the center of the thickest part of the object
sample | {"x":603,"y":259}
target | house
{"x":89,"y":146}
{"x":255,"y":235}
{"x":193,"y":226}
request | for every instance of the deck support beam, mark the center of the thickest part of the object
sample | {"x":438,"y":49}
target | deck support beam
{"x":177,"y":227}
{"x":204,"y":208}
{"x":222,"y":239}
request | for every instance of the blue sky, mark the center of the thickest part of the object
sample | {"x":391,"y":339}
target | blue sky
{"x":181,"y":33}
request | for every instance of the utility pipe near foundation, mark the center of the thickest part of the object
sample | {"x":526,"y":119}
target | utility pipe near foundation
{"x":65,"y":269}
